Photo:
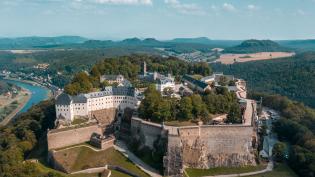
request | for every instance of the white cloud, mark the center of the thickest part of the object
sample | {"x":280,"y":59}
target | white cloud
{"x":185,"y":8}
{"x":124,"y":2}
{"x":228,"y":7}
{"x":252,"y":7}
{"x":301,"y":12}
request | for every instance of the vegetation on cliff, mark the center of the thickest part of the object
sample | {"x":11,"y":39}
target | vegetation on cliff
{"x":195,"y":107}
{"x":296,"y":126}
{"x":293,"y":77}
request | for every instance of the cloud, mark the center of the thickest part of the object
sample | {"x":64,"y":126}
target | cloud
{"x":301,"y":12}
{"x":252,"y":7}
{"x":228,"y":7}
{"x":124,"y":2}
{"x":185,"y":8}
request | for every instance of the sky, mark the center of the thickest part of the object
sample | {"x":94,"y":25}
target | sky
{"x":160,"y":19}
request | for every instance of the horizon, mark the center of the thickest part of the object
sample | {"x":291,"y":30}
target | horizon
{"x":142,"y":38}
{"x":163,"y":19}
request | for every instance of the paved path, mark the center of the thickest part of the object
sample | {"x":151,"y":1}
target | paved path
{"x":267,"y":169}
{"x":121,"y":146}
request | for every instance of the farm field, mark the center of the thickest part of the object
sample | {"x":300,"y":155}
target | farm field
{"x":232,"y":58}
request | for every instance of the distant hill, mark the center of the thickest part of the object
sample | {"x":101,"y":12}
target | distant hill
{"x":33,"y":42}
{"x":300,"y":45}
{"x":206,"y":41}
{"x":199,"y":40}
{"x":254,"y":46}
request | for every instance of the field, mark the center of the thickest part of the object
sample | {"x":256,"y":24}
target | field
{"x":232,"y":58}
{"x":83,"y":157}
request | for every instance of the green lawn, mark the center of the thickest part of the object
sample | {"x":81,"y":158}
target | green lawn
{"x":280,"y":170}
{"x":222,"y":170}
{"x":118,"y":174}
{"x":180,"y":123}
{"x":114,"y":173}
{"x":80,"y":158}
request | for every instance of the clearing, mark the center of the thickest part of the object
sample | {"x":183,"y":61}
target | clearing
{"x":232,"y":58}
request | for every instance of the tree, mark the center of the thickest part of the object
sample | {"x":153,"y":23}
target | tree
{"x":279,"y":151}
{"x":234,"y":115}
{"x":199,"y":108}
{"x":185,"y":108}
{"x":223,"y":81}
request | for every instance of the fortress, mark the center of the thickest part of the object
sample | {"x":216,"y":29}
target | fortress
{"x":199,"y":146}
{"x":69,"y":107}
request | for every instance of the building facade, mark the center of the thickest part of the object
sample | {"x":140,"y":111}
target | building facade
{"x":68,"y":107}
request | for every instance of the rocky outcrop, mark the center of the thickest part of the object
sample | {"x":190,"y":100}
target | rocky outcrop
{"x":208,"y":147}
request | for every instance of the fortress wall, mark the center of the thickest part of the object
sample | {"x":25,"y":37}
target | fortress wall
{"x":63,"y":138}
{"x":208,"y":147}
{"x":148,"y":131}
{"x":220,"y":139}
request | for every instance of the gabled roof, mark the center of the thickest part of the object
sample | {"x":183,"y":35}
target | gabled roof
{"x":79,"y":99}
{"x":63,"y":99}
{"x":196,"y":82}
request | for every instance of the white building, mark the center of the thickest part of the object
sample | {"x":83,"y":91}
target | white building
{"x":165,"y":82}
{"x":68,"y":107}
{"x":112,"y":79}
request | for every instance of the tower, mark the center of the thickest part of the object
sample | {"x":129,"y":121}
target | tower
{"x":144,"y":68}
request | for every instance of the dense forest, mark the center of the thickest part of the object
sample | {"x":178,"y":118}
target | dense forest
{"x":190,"y":108}
{"x":293,"y":77}
{"x":254,"y":46}
{"x":130,"y":67}
{"x":20,"y":137}
{"x":297,"y":126}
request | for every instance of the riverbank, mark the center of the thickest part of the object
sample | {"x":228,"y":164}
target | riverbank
{"x":36,"y":94}
{"x":22,"y":98}
{"x":33,"y":83}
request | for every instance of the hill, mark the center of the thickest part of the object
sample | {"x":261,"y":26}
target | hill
{"x":300,"y":45}
{"x":293,"y":77}
{"x":199,"y":40}
{"x":255,"y":46}
{"x":31,"y":42}
{"x":207,"y":41}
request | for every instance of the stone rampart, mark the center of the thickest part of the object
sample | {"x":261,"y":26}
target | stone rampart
{"x":66,"y":137}
{"x":147,"y":131}
{"x":209,"y":146}
{"x":205,"y":146}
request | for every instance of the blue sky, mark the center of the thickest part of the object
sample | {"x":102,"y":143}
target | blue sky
{"x":161,"y":19}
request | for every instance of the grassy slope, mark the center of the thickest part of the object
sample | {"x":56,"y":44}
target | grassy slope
{"x":84,"y":157}
{"x":281,"y":170}
{"x":222,"y":171}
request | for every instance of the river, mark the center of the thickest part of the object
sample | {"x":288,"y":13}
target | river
{"x":38,"y":93}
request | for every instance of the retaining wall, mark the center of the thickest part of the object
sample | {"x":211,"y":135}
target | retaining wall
{"x":148,"y":131}
{"x":68,"y":137}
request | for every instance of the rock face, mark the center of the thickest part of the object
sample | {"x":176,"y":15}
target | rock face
{"x":208,"y":147}
{"x":203,"y":146}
